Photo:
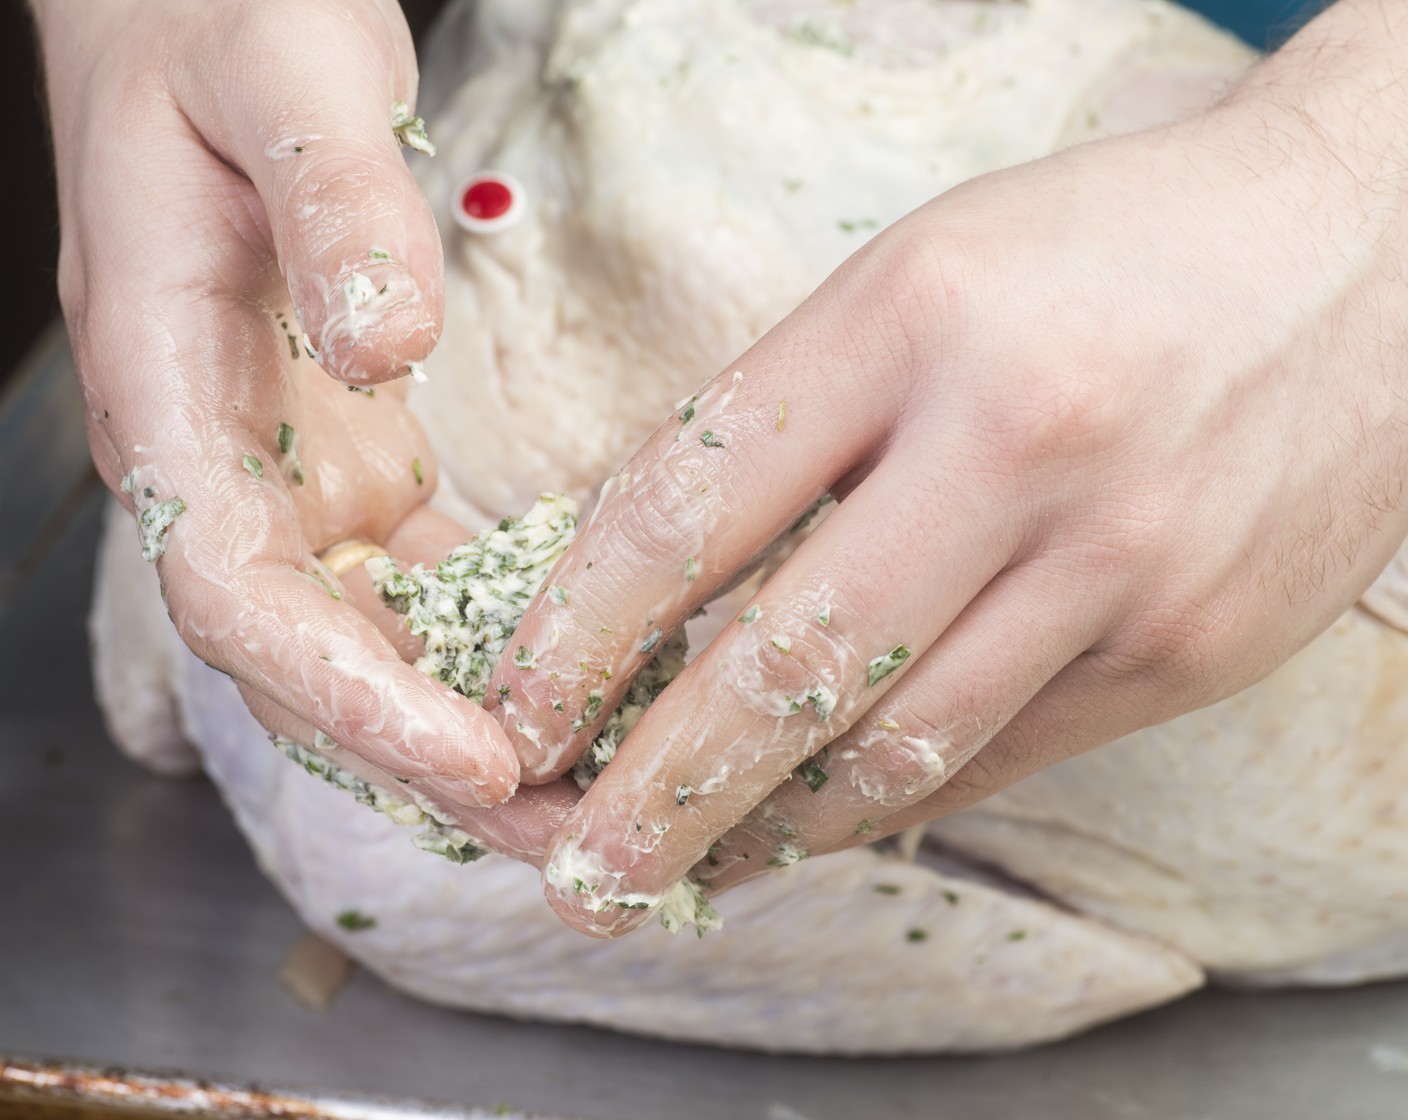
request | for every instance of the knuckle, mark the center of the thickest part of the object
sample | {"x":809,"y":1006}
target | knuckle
{"x":977,"y":780}
{"x":1172,"y":645}
{"x":1058,"y":413}
{"x":781,"y":670}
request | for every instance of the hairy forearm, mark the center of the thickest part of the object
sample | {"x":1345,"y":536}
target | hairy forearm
{"x":1344,"y":79}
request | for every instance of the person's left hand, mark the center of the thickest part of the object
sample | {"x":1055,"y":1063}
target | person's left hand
{"x":1113,"y":435}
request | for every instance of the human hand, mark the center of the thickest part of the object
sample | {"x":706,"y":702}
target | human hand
{"x":1113,"y":435}
{"x":222,"y":168}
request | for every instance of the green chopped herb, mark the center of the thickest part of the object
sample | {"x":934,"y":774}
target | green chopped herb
{"x":781,"y":414}
{"x":558,"y":595}
{"x":354,"y":921}
{"x":298,"y":149}
{"x":781,"y":642}
{"x":292,"y":346}
{"x":866,"y":826}
{"x":648,"y":646}
{"x":581,"y":887}
{"x":886,"y":888}
{"x":323,"y":583}
{"x":254,"y":466}
{"x":750,"y":615}
{"x":285,"y":437}
{"x":917,"y":935}
{"x":682,"y":794}
{"x":379,"y":254}
{"x":951,"y":897}
{"x":504,"y":691}
{"x":557,"y":705}
{"x":882,"y":666}
{"x":153,"y":522}
{"x":824,"y":615}
{"x":594,"y":700}
{"x":409,"y":130}
{"x":709,"y":439}
{"x":688,"y":414}
{"x":1017,"y":935}
{"x":812,"y":773}
{"x":862,"y":223}
{"x":691,"y":569}
{"x":525,"y":658}
{"x":418,"y":471}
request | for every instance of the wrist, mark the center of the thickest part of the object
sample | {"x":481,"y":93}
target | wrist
{"x":1334,"y":101}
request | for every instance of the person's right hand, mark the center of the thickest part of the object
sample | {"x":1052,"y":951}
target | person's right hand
{"x":223,"y":168}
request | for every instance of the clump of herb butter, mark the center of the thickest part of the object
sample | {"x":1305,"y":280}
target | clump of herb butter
{"x":410,"y":130}
{"x":466,"y":608}
{"x":439,"y":834}
{"x":153,"y":522}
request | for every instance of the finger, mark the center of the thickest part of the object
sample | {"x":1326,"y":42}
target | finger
{"x":723,"y":477}
{"x":519,"y":828}
{"x":821,"y":643}
{"x":355,"y":237}
{"x":1017,"y":635}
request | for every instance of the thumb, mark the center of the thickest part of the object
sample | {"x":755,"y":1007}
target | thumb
{"x":311,"y":125}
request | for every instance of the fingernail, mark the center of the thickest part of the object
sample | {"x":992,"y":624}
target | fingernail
{"x":589,"y":896}
{"x":375,"y":321}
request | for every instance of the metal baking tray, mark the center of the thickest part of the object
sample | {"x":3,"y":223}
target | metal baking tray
{"x":140,"y":945}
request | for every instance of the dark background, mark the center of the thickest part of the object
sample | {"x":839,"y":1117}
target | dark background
{"x":27,"y":193}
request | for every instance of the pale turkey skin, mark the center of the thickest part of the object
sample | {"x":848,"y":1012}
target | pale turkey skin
{"x":694,"y":168}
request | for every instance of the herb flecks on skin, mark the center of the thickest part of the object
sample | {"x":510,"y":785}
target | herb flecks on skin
{"x":409,"y":130}
{"x":558,"y":595}
{"x":751,"y":615}
{"x":354,"y":921}
{"x":824,"y":615}
{"x":253,"y":466}
{"x":154,"y":522}
{"x":291,"y":463}
{"x":379,"y":254}
{"x":881,"y":667}
{"x":323,"y":583}
{"x":709,"y":439}
{"x":525,"y":658}
{"x":688,"y":414}
{"x":648,"y":646}
{"x":886,"y":888}
{"x":781,"y":415}
{"x":1017,"y":935}
{"x":917,"y":935}
{"x":860,"y":223}
{"x":788,"y":853}
{"x":438,"y":836}
{"x":418,"y":471}
{"x":813,"y":775}
{"x":682,"y":794}
{"x":781,"y":642}
{"x":951,"y":897}
{"x":865,"y":827}
{"x":691,"y":569}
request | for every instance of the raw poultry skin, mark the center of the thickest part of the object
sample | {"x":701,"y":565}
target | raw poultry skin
{"x":694,"y":168}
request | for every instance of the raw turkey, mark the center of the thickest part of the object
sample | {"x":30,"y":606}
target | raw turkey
{"x":692,"y":169}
